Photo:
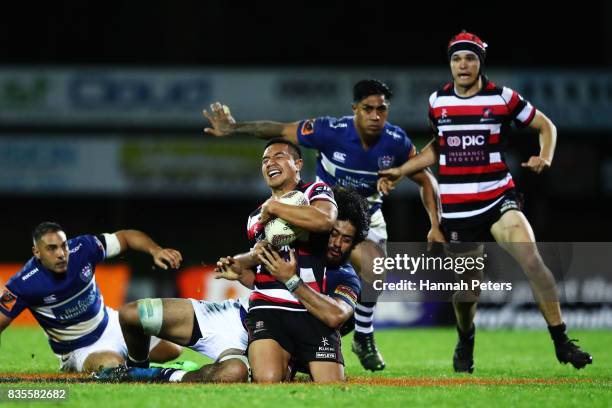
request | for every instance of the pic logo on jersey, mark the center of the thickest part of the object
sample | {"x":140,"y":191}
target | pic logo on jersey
{"x":465,"y":141}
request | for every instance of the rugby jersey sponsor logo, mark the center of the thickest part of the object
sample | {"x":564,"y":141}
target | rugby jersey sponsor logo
{"x":473,"y":176}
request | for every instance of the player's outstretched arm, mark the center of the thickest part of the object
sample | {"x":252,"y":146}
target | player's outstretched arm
{"x":332,"y":312}
{"x":319,"y":216}
{"x":548,"y":141}
{"x":427,"y":157}
{"x":223,"y":124}
{"x":139,"y":241}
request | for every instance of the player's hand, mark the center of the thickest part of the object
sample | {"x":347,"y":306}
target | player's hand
{"x":434,"y":235}
{"x":385,"y":186}
{"x":536,"y":164}
{"x":275,"y":264}
{"x":392,"y":174}
{"x":266,"y":215}
{"x":261,"y":244}
{"x":166,"y":256}
{"x":220,"y":119}
{"x":228,"y":268}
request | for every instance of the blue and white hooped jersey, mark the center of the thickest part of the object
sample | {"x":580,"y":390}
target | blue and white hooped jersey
{"x":343,"y":161}
{"x":68,"y":306}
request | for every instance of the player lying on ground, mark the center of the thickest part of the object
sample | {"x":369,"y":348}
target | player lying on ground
{"x":218,"y":331}
{"x":58,"y":286}
{"x":351,"y":151}
{"x":477,"y":191}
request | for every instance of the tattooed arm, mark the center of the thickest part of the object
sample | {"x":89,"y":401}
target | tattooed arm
{"x":223,"y":124}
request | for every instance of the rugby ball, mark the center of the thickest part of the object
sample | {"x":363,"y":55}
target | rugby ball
{"x":278,"y":231}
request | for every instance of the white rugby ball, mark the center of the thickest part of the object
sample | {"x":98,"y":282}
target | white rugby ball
{"x":278,"y":231}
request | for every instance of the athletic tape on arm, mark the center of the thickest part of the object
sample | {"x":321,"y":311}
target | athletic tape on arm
{"x":113,"y":247}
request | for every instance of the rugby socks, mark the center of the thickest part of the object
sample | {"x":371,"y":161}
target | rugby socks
{"x":364,"y":316}
{"x":137,"y":363}
{"x":467,"y":336}
{"x":558,"y":334}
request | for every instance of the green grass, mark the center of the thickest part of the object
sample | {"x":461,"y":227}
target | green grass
{"x":423,"y":353}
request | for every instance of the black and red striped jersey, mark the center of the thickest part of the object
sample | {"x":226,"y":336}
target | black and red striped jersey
{"x":471,"y":136}
{"x":310,"y":253}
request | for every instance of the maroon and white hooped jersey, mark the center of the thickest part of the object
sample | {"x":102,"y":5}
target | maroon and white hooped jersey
{"x":473,"y":175}
{"x":310,"y":253}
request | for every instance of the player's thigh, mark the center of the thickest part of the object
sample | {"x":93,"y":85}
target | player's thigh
{"x":326,"y":371}
{"x":177,"y":322}
{"x":515,"y":235}
{"x":102,"y":359}
{"x":362,"y":259}
{"x":168,"y":319}
{"x":512,"y":226}
{"x":268,"y":360}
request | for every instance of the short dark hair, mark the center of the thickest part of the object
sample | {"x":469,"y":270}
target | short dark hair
{"x":44,"y":228}
{"x":367,"y":87}
{"x":352,"y":207}
{"x":296,"y":152}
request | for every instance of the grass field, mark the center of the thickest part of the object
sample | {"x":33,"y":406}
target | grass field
{"x":513,"y":368}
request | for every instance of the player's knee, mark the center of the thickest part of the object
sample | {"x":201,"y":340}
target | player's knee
{"x":232,"y":370}
{"x":532,"y":263}
{"x":147,"y":314}
{"x":128,"y":315}
{"x":98,"y":361}
{"x":332,"y":378}
{"x":268,"y":376}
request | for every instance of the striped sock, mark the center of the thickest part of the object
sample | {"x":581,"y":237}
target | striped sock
{"x":364,"y":316}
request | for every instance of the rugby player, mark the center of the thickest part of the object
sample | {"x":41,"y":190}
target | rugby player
{"x":468,"y":116}
{"x":218,"y":330}
{"x":58,"y":286}
{"x":351,"y":151}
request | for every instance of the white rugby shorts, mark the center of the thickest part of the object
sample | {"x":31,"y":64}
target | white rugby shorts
{"x":221,"y":327}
